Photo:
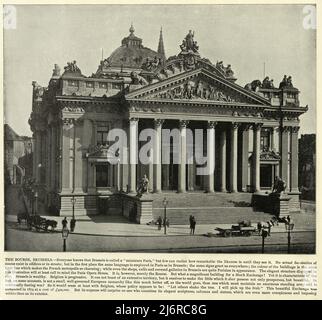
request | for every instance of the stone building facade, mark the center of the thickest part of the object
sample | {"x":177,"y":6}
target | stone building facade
{"x":252,"y":130}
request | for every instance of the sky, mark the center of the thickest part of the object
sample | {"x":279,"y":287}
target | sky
{"x":245,"y":36}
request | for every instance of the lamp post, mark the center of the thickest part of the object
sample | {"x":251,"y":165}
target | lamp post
{"x":264,"y":235}
{"x":289,"y":227}
{"x":64,"y":233}
{"x":73,"y":201}
{"x":165,"y":203}
{"x":32,"y":199}
{"x":36,"y":203}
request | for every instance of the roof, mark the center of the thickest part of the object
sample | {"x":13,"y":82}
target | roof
{"x":10,"y":134}
{"x":131,"y":56}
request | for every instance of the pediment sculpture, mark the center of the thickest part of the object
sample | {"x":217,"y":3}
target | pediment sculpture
{"x":195,"y":89}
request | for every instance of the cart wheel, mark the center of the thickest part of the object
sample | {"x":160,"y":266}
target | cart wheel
{"x":227,"y":233}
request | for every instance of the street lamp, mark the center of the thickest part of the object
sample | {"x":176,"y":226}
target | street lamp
{"x":289,"y":227}
{"x":64,"y":233}
{"x":36,"y":202}
{"x":264,"y":235}
{"x":165,"y":203}
{"x":32,"y":199}
{"x":73,"y":201}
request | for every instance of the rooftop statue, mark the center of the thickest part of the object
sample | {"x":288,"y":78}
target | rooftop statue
{"x":228,"y":72}
{"x":188,"y":44}
{"x":267,"y":83}
{"x":286,"y":82}
{"x":56,"y":71}
{"x":72,"y":67}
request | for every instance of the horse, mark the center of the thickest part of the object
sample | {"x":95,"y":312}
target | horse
{"x":50,"y":223}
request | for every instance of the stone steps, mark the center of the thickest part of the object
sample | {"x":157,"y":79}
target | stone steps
{"x":207,"y":208}
{"x":213,"y":215}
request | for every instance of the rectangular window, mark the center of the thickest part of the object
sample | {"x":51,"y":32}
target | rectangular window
{"x":103,"y":85}
{"x":72,"y":83}
{"x":265,"y":139}
{"x":101,"y":132}
{"x":116,"y":86}
{"x":102,"y":175}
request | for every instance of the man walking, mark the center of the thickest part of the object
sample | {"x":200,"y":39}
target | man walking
{"x":192,"y":225}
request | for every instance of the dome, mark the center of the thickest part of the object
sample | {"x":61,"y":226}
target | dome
{"x":131,"y":54}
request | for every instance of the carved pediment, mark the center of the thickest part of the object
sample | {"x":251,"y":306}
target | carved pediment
{"x":197,"y":85}
{"x":269,"y":155}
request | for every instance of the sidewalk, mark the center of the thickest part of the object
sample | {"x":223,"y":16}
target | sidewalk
{"x":120,"y":226}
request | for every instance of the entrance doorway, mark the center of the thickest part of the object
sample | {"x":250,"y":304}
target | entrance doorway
{"x":266,"y":176}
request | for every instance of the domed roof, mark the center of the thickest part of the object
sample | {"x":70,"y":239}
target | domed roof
{"x":131,"y":53}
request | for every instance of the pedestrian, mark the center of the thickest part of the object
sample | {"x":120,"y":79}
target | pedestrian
{"x":259,"y":227}
{"x":288,"y":219}
{"x":269,"y":226}
{"x":193,"y":226}
{"x":64,"y":223}
{"x":72,"y":224}
{"x":159,"y":223}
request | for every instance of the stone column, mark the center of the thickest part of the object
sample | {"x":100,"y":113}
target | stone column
{"x":274,"y":139}
{"x":244,"y":156}
{"x":133,"y":144}
{"x":183,"y":156}
{"x":284,"y":137}
{"x":65,"y":157}
{"x":37,"y":156}
{"x":157,"y":155}
{"x":233,"y":156}
{"x":223,"y":161}
{"x":78,"y":156}
{"x":211,"y":155}
{"x":53,"y":147}
{"x":256,"y":156}
{"x":294,"y":159}
{"x":86,"y":142}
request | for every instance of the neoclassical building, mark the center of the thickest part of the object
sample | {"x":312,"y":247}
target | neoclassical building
{"x":252,"y":129}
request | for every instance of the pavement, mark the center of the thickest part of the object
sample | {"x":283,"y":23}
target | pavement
{"x":120,"y":226}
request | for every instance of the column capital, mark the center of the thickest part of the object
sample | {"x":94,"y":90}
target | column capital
{"x":246,"y":126}
{"x":133,"y":120}
{"x":211,"y":124}
{"x":285,"y":129}
{"x":183,"y":123}
{"x":68,"y":121}
{"x":295,"y":129}
{"x":158,"y":122}
{"x":257,"y":126}
{"x":235,"y":125}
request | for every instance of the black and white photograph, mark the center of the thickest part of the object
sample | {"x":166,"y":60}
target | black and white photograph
{"x":160,"y":128}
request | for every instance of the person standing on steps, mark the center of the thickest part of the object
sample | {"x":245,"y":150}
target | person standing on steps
{"x":193,"y":225}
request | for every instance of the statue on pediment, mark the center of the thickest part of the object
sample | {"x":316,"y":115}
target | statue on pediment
{"x":188,"y":44}
{"x":72,"y":67}
{"x":199,"y":90}
{"x":188,"y":90}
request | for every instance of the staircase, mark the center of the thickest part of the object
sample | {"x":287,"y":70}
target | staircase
{"x":215,"y":208}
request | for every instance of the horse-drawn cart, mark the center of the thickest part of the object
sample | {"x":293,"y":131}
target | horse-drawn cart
{"x":37,"y":222}
{"x":236,"y":230}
